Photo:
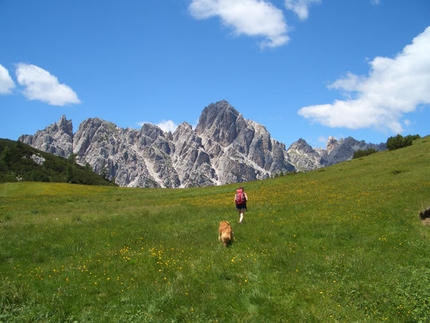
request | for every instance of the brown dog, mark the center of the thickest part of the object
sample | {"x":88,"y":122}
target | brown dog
{"x":225,"y":233}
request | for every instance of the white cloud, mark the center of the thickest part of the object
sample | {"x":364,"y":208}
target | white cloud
{"x":322,"y":139}
{"x":394,"y":87}
{"x":300,"y":7}
{"x":6,"y":82}
{"x":165,"y":125}
{"x":41,"y":85}
{"x":246,"y":17}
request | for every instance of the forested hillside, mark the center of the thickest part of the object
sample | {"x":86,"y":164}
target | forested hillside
{"x":21,"y":162}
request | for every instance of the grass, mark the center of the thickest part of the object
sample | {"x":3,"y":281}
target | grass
{"x":340,"y":244}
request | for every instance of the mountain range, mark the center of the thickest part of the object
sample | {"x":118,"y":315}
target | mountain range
{"x":223,"y":148}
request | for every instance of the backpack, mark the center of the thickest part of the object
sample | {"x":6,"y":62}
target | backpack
{"x":240,"y":196}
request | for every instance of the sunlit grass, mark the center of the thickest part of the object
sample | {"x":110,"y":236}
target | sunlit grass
{"x":340,"y":244}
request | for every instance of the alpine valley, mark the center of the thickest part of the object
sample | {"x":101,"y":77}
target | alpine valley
{"x":223,"y":148}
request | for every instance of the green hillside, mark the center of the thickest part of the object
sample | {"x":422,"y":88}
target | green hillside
{"x":21,"y":162}
{"x":340,"y":244}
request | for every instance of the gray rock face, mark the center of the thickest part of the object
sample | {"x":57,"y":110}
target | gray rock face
{"x":239,"y":150}
{"x":224,"y":148}
{"x":190,"y":158}
{"x":56,"y":139}
{"x":133,"y":158}
{"x":304,"y":157}
{"x":343,"y":149}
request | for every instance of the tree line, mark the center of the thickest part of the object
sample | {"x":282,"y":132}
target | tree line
{"x":393,"y":143}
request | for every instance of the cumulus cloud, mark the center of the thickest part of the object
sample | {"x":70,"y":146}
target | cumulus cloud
{"x":41,"y":85}
{"x":394,"y":87}
{"x":300,"y":7}
{"x":6,"y":82}
{"x":246,"y":17}
{"x":165,"y":125}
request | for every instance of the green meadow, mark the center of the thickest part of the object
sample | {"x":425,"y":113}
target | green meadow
{"x":340,"y":244}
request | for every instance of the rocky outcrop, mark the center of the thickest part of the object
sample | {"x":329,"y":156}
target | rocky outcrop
{"x":190,"y":159}
{"x":303,"y":156}
{"x":223,"y":148}
{"x":56,"y":139}
{"x":133,"y":158}
{"x":239,"y":149}
{"x":343,"y":149}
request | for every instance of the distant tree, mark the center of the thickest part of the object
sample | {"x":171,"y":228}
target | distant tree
{"x":88,"y":167}
{"x":3,"y":167}
{"x":399,"y":141}
{"x":395,"y":142}
{"x":413,"y":137}
{"x":38,"y":174}
{"x":6,"y":156}
{"x":361,"y":153}
{"x":71,"y":168}
{"x":72,"y":159}
{"x":105,"y":172}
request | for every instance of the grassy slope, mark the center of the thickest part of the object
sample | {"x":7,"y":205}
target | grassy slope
{"x":341,"y":244}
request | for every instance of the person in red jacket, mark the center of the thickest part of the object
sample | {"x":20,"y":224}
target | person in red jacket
{"x":240,"y":199}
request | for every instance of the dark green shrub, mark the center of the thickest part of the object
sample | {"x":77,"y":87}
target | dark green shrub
{"x":399,"y":141}
{"x":361,"y":153}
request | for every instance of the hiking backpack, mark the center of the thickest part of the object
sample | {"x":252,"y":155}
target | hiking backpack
{"x":240,"y":196}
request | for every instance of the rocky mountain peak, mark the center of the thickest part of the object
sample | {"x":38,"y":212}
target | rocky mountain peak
{"x":224,"y":148}
{"x":220,"y":122}
{"x":331,"y":144}
{"x":56,"y":139}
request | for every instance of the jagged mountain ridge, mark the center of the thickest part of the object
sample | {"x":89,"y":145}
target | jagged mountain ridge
{"x":223,"y":148}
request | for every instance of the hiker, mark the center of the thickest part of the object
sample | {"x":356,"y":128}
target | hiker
{"x":240,"y":199}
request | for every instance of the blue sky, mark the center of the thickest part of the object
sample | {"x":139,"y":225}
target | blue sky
{"x":302,"y":68}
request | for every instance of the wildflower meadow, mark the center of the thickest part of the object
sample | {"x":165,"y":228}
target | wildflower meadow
{"x":339,"y":244}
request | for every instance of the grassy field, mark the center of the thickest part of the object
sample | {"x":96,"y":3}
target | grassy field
{"x":340,"y":244}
